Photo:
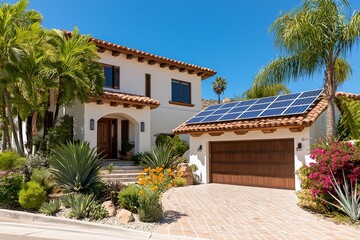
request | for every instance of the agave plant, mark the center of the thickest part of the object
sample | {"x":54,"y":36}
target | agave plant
{"x":348,"y":201}
{"x":160,"y":156}
{"x":75,"y":167}
{"x":80,"y":205}
{"x":50,"y":208}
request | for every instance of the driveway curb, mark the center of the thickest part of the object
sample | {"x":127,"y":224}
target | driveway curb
{"x":33,"y":218}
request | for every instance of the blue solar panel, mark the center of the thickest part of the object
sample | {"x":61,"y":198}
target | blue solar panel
{"x":303,"y":101}
{"x":195,"y":120}
{"x":213,"y":107}
{"x":314,"y":93}
{"x":296,"y":110}
{"x":204,"y":113}
{"x":230,"y":116}
{"x":258,"y":106}
{"x":281,"y":104}
{"x":266,"y":100}
{"x":290,"y":104}
{"x":229,"y":105}
{"x":247,"y":103}
{"x":288,"y":96}
{"x":211,"y":118}
{"x":272,"y":112}
{"x":252,"y":114}
{"x":238,"y":109}
{"x":222,"y":111}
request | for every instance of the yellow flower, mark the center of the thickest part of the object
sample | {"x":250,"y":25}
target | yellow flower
{"x":141,"y":192}
{"x":155,"y":188}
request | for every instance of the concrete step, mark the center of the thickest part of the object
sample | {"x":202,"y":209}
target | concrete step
{"x":121,"y":170}
{"x":123,"y":180}
{"x":118,"y":163}
{"x":121,"y":175}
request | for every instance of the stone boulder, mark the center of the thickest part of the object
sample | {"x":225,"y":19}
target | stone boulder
{"x":125,"y":216}
{"x":110,"y":208}
{"x":186,"y":172}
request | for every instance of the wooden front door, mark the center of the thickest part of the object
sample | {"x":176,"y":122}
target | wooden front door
{"x":107,"y":138}
{"x":262,"y":163}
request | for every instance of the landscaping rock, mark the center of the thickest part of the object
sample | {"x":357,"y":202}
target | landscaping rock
{"x":186,"y":172}
{"x":125,"y":216}
{"x":110,"y":208}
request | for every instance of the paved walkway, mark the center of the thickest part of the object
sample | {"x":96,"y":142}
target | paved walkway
{"x":216,"y":211}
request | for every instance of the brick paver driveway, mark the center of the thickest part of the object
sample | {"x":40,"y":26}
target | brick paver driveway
{"x":216,"y":211}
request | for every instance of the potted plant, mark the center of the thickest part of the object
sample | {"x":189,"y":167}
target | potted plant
{"x":126,"y":148}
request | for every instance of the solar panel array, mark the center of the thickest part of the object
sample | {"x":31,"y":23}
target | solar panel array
{"x":289,"y":104}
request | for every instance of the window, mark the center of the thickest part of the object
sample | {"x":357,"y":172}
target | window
{"x":181,"y":91}
{"x":112,"y":76}
{"x":147,"y":85}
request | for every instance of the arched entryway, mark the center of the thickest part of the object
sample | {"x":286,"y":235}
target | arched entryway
{"x":112,"y":131}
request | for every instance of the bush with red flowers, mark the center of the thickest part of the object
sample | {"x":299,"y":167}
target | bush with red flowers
{"x":332,"y":156}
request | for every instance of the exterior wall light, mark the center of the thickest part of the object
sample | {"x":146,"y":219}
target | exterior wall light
{"x":142,"y":127}
{"x":92,"y":124}
{"x":200,"y":148}
{"x":299,"y":147}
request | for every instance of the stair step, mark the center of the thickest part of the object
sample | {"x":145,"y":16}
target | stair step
{"x":119,"y":171}
{"x":120,"y":175}
{"x":123,"y":180}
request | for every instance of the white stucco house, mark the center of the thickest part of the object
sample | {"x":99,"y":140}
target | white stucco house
{"x":144,"y":94}
{"x":261,"y":151}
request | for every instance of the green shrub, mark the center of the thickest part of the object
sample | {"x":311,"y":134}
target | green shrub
{"x":80,"y":205}
{"x":160,"y":156}
{"x":32,"y":196}
{"x":84,"y":206}
{"x":43,"y":177}
{"x":11,"y":161}
{"x":128,"y":198}
{"x":60,"y":134}
{"x":67,"y":199}
{"x":37,"y":160}
{"x":96,"y":211}
{"x":137,"y":158}
{"x":179,"y":182}
{"x":178,"y":146}
{"x":150,"y":208}
{"x":10,"y":186}
{"x":50,"y":208}
{"x":75,"y":167}
{"x":112,"y":190}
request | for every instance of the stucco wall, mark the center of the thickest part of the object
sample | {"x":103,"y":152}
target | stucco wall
{"x":132,"y":80}
{"x":85,"y":112}
{"x":201,"y":158}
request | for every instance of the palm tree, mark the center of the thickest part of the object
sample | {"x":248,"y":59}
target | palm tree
{"x":349,"y":123}
{"x":260,"y":91}
{"x":14,"y":20}
{"x":219,"y":86}
{"x":313,"y":38}
{"x":78,"y":72}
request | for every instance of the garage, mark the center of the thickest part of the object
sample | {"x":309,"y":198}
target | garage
{"x":261,"y":163}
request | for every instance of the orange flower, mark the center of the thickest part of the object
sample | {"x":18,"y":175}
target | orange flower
{"x":155,"y":188}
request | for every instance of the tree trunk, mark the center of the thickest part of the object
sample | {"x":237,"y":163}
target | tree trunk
{"x":330,"y":90}
{"x":218,"y":98}
{"x":57,"y":108}
{"x":11,"y":121}
{"x":21,"y":137}
{"x":6,"y":144}
{"x":29,"y":137}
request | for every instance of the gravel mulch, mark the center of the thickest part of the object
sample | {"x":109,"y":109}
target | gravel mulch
{"x":136,"y":225}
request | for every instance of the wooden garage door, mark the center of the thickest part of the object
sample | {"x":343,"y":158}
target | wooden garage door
{"x":263,"y":163}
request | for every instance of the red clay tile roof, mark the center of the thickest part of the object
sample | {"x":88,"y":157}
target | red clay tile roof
{"x":145,"y":56}
{"x":302,"y":120}
{"x":126,"y":98}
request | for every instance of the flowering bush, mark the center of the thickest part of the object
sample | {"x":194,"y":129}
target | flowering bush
{"x":331,"y":156}
{"x":158,"y":179}
{"x":10,"y":186}
{"x":150,"y":208}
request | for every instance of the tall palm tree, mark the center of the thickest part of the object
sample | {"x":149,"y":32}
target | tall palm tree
{"x":14,"y":19}
{"x":260,"y":91}
{"x":78,"y":72}
{"x":313,"y":38}
{"x":219,"y":86}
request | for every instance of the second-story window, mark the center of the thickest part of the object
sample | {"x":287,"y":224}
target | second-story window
{"x":147,"y":85}
{"x":180,"y":91}
{"x":112,"y":76}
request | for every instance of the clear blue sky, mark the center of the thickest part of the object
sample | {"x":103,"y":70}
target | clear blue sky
{"x":229,"y":36}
